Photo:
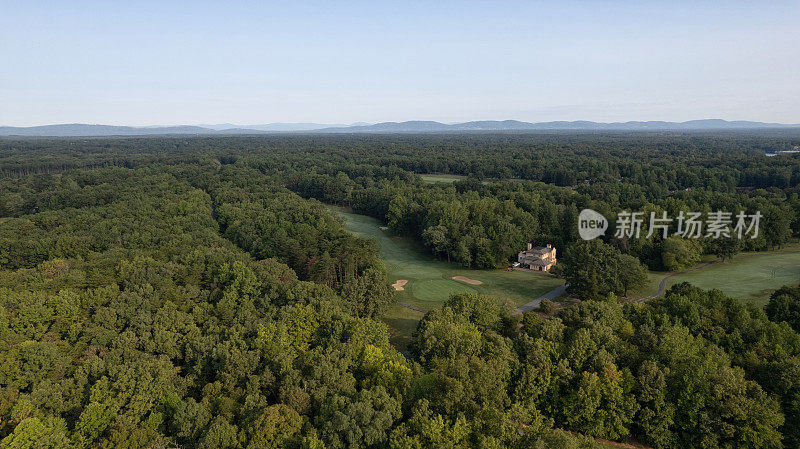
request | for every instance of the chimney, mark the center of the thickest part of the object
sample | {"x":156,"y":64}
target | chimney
{"x":530,"y":245}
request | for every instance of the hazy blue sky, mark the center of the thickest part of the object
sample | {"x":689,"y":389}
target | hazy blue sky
{"x":140,"y":62}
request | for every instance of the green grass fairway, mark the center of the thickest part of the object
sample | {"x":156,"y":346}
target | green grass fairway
{"x":750,"y":277}
{"x":430,"y":281}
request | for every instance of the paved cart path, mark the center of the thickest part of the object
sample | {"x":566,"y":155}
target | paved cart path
{"x":662,"y":286}
{"x":551,"y":295}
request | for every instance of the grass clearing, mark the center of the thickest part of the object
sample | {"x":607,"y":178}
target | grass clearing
{"x":430,"y":281}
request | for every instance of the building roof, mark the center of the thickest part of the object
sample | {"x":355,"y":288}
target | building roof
{"x":538,"y":250}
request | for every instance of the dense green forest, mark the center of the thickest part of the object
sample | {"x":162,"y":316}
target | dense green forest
{"x":196,"y":292}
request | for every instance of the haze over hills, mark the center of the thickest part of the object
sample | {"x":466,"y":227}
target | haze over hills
{"x":81,"y":129}
{"x":414,"y":126}
{"x":276,"y":127}
{"x":515,"y":125}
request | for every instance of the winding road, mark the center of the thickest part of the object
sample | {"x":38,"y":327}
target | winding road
{"x":551,"y":295}
{"x":662,"y":286}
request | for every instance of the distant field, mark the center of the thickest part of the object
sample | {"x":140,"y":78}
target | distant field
{"x":441,"y":178}
{"x":430,"y":281}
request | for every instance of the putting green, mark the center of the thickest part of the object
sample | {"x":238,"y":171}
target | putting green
{"x":434,"y":290}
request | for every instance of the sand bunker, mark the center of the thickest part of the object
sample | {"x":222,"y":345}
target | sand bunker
{"x":383,"y":228}
{"x":399,"y":284}
{"x":467,"y":280}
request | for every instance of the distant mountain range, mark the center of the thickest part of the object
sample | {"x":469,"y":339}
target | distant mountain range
{"x":79,"y":129}
{"x":275,"y":127}
{"x":514,"y":125}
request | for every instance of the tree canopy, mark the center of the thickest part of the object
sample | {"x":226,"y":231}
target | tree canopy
{"x":198,"y":293}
